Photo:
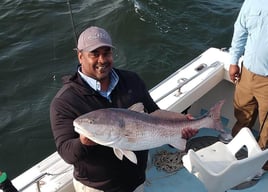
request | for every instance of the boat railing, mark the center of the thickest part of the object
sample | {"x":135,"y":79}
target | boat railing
{"x":183,"y":81}
{"x":35,"y":181}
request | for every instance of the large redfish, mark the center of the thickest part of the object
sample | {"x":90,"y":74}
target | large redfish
{"x":127,"y":130}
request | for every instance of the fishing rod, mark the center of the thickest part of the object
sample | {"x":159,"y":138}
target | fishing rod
{"x":72,"y":21}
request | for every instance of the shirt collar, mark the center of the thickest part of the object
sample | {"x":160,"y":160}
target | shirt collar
{"x":96,"y":84}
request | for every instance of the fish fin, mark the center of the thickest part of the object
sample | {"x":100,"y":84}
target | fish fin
{"x":180,"y":144}
{"x":118,"y":153}
{"x":168,"y":115}
{"x":138,"y":107}
{"x":215,"y":114}
{"x":129,"y":154}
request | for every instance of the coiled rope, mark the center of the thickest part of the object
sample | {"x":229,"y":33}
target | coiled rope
{"x":168,"y":161}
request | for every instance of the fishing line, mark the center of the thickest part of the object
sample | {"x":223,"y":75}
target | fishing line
{"x":72,"y":21}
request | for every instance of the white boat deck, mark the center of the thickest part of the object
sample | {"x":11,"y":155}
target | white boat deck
{"x":160,"y":181}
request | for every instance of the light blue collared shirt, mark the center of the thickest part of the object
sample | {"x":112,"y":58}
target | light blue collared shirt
{"x":97,"y":86}
{"x":251,"y":37}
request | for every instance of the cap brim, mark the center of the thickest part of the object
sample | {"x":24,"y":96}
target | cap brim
{"x":92,"y":48}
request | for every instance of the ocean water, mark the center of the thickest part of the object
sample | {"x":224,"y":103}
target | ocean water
{"x":152,"y":37}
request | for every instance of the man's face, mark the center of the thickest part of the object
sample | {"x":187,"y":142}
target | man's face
{"x":96,"y":64}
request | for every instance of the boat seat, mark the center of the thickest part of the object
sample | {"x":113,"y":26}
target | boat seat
{"x":217,"y":167}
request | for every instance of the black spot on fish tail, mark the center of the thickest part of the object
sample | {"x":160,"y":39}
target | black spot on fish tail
{"x":215,"y":111}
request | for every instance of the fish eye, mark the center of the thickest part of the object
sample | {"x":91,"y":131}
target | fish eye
{"x":91,"y":121}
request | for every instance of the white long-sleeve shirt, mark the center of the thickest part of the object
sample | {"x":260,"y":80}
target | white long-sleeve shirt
{"x":250,"y":37}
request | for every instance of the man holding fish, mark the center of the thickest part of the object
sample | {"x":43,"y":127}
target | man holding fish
{"x":97,"y":85}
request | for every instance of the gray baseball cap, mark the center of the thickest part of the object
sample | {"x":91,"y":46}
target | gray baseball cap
{"x":93,"y":38}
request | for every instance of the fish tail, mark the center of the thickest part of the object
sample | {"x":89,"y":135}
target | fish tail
{"x":215,"y":114}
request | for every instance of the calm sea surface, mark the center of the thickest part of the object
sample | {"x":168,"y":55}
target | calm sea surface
{"x":153,"y":38}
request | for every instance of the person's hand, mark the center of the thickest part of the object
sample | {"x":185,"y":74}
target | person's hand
{"x":234,"y":73}
{"x":188,"y":132}
{"x":85,"y":141}
{"x":189,"y":117}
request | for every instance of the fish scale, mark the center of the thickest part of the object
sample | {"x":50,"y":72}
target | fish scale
{"x":128,"y":130}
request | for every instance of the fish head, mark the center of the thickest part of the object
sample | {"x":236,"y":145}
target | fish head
{"x":100,"y":126}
